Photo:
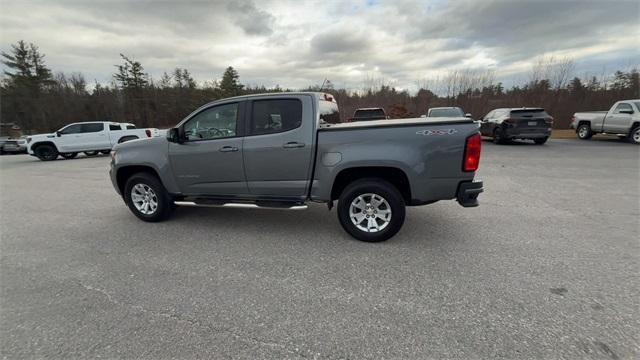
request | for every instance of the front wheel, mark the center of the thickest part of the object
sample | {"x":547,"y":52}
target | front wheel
{"x":635,"y":135}
{"x":105,"y":152}
{"x":541,"y":140}
{"x":147,"y":198}
{"x":69,"y":155}
{"x":584,"y":132}
{"x":46,"y":152}
{"x":371,"y":210}
{"x":498,"y":137}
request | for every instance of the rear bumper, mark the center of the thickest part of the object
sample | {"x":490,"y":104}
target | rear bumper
{"x":527,"y":133}
{"x":468,"y":192}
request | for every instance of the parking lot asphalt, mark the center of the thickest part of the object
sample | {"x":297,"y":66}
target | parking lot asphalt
{"x":546,"y":267}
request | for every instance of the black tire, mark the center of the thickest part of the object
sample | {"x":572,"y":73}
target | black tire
{"x":584,"y":132}
{"x":387,"y":192}
{"x":498,"y":136}
{"x":70,"y":155}
{"x":541,"y":140}
{"x":163,"y":200}
{"x":105,"y":152}
{"x":46,"y":152}
{"x":127,"y":138}
{"x":634,"y":135}
{"x":91,"y":153}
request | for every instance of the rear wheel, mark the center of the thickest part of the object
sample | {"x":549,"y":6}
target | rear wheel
{"x":46,"y":152}
{"x":541,"y":140}
{"x":584,"y":132}
{"x":70,"y":155}
{"x":91,"y":153}
{"x":147,"y":198}
{"x":371,"y":210}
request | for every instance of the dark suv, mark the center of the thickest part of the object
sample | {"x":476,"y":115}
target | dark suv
{"x":517,"y":123}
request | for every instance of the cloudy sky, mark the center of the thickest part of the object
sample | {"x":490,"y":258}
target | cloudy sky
{"x":299,"y":43}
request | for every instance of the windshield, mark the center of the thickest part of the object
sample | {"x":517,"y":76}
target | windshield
{"x":453,"y":112}
{"x":529,"y":113}
{"x":370,"y":114}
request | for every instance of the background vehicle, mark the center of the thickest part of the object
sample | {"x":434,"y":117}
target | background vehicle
{"x":13,"y":146}
{"x":278,"y":151}
{"x":446,"y":112}
{"x":367,"y":114}
{"x":517,"y":123}
{"x":623,"y":119}
{"x":88,"y":137}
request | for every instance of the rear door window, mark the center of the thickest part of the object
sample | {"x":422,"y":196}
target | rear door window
{"x":113,"y":127}
{"x":274,"y":116}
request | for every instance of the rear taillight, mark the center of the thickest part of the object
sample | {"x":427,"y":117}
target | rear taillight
{"x":549,"y":120}
{"x":509,"y":121}
{"x":148,"y":132}
{"x":472,"y":153}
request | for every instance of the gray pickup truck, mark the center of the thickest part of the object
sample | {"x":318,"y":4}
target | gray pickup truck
{"x":286,"y":149}
{"x":623,"y":119}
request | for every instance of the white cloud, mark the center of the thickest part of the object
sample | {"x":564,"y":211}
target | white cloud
{"x":299,"y":43}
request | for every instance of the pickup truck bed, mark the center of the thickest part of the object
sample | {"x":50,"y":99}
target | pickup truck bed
{"x":401,"y":144}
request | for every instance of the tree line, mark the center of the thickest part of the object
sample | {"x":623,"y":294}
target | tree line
{"x":36,"y":99}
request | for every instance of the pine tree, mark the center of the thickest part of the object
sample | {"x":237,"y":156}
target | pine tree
{"x":230,"y":86}
{"x":131,"y":76}
{"x":28,"y":67}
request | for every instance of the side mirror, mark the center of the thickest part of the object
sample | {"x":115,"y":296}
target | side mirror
{"x":173,"y":135}
{"x":468,"y":115}
{"x":58,"y":133}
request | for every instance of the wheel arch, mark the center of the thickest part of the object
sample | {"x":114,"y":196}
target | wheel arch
{"x":125,"y":172}
{"x":40,"y":143}
{"x":583,"y":122}
{"x":397,"y":177}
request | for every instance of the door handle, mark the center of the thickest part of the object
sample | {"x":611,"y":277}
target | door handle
{"x":293,"y":144}
{"x":228,"y":149}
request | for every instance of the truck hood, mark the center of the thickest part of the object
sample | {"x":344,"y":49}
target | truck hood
{"x":41,"y":136}
{"x":138,"y":144}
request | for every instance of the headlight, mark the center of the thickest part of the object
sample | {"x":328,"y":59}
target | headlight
{"x":113,"y":156}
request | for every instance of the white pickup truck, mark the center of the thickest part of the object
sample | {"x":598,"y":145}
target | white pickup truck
{"x":623,"y":119}
{"x":88,"y":137}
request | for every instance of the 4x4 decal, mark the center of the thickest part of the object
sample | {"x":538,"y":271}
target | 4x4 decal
{"x":437,"y":132}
